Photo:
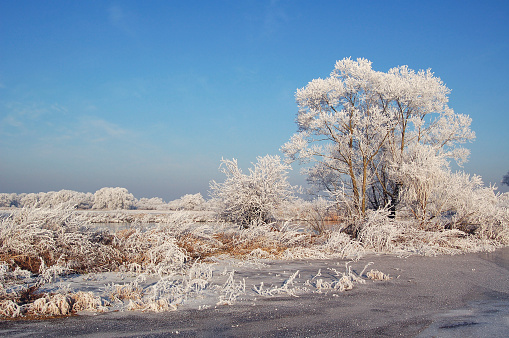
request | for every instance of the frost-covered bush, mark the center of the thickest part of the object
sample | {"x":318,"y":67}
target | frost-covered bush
{"x":188,"y":202}
{"x":154,"y":203}
{"x":440,"y":199}
{"x":10,"y":309}
{"x":253,"y":198}
{"x":154,"y":251}
{"x":113,"y":199}
{"x":378,"y":231}
{"x":339,"y":244}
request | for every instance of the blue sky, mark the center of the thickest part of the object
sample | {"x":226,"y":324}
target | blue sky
{"x":150,"y":95}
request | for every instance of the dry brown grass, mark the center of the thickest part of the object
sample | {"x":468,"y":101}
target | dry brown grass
{"x":26,"y":262}
{"x":235,"y":247}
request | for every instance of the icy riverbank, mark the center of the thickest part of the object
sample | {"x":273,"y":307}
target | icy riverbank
{"x":461,"y":295}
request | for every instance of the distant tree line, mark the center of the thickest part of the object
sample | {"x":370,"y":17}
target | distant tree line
{"x":103,"y":199}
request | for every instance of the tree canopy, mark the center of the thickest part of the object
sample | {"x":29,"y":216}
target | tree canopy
{"x":358,"y":127}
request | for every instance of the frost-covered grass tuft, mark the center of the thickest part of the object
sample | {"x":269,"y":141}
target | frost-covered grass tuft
{"x":87,"y":301}
{"x":65,"y":304}
{"x":123,"y":292}
{"x":10,"y":309}
{"x":51,"y":305}
{"x":231,"y":290}
{"x":377,"y":275}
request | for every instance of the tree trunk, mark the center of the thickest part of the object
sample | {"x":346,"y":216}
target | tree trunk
{"x":394,"y":201}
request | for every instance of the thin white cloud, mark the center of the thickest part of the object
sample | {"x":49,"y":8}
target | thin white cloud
{"x":29,"y":118}
{"x":275,"y":17}
{"x":103,"y":127}
{"x":55,"y":107}
{"x":120,"y":19}
{"x":31,"y":111}
{"x":51,"y":124}
{"x":116,"y":15}
{"x":12,"y":121}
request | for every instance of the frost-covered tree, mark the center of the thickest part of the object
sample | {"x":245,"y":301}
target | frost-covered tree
{"x":52,"y":199}
{"x":250,"y":199}
{"x":356,"y":125}
{"x":113,"y":199}
{"x":66,"y":198}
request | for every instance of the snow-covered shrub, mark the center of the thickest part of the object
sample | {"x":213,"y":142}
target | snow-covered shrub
{"x":53,"y":241}
{"x":113,"y":199}
{"x":126,"y":291}
{"x":378,"y":231}
{"x":432,"y":243}
{"x":503,"y":210}
{"x":153,"y":251}
{"x":440,"y":199}
{"x":30,"y":200}
{"x":155,"y":203}
{"x":267,"y":241}
{"x":188,"y":202}
{"x":254,"y":198}
{"x":339,"y":244}
{"x":173,"y":290}
{"x":424,"y":188}
{"x":475,"y":207}
{"x":63,"y":305}
{"x":50,"y":274}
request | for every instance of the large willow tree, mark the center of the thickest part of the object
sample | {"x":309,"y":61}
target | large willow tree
{"x":359,"y":126}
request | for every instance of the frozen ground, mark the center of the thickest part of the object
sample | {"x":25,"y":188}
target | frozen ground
{"x":446,"y":296}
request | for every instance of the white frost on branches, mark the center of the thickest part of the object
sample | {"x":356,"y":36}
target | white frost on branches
{"x":356,"y":125}
{"x":113,"y":199}
{"x":253,"y":198}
